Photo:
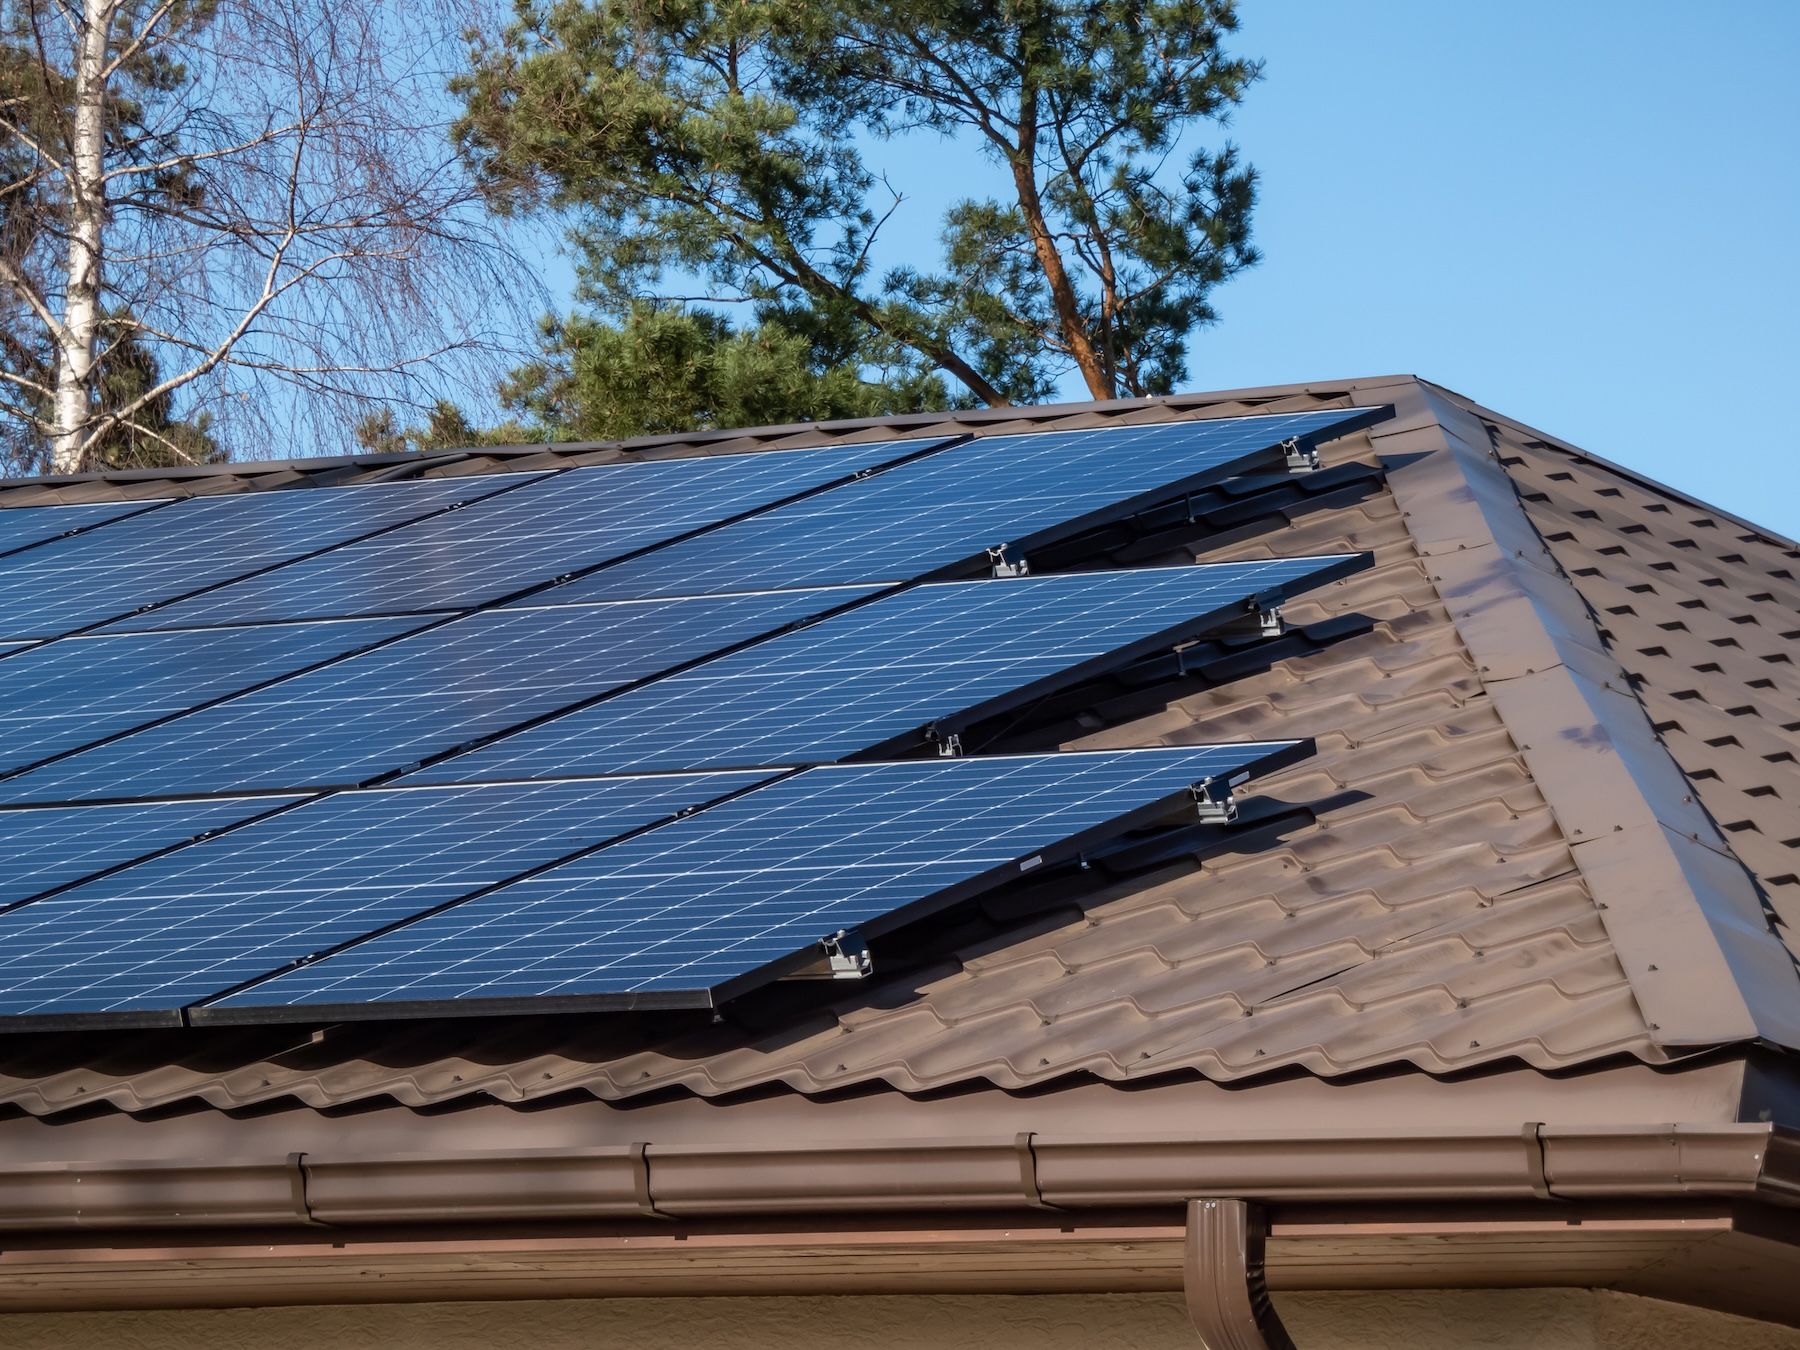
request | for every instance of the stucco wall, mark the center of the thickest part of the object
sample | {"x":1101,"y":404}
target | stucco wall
{"x":1551,"y":1319}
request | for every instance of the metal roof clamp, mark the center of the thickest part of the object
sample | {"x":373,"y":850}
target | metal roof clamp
{"x":949,"y":743}
{"x":846,"y":955}
{"x":1300,"y":458}
{"x":1214,"y":805}
{"x":1259,"y":621}
{"x":1003,"y":567}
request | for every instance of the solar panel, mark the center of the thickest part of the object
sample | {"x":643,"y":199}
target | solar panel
{"x":22,"y":527}
{"x":58,"y":696}
{"x":51,"y":847}
{"x":702,"y":908}
{"x":875,"y":676}
{"x":390,"y":708}
{"x":946,"y":510}
{"x":203,"y":919}
{"x":146,"y":559}
{"x":546,"y":530}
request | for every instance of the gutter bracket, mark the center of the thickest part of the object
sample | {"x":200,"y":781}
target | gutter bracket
{"x":1532,"y":1134}
{"x":640,"y":1180}
{"x":297,"y":1182}
{"x":1222,"y":1276}
{"x":1028,"y":1181}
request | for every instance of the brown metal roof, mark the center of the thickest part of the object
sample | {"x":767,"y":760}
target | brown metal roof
{"x":1490,"y":859}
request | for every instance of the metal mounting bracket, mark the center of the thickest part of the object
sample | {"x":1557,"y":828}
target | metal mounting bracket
{"x":949,"y":745}
{"x":1213,"y":806}
{"x":842,"y":956}
{"x":1300,"y":459}
{"x":1258,"y":622}
{"x":1004,"y":567}
{"x":846,"y":955}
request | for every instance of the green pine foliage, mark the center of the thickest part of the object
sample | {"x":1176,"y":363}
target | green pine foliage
{"x":716,"y":146}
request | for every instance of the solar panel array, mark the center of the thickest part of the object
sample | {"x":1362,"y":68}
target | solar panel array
{"x":613,"y":736}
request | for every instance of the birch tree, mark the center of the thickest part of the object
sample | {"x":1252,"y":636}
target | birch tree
{"x":247,"y":211}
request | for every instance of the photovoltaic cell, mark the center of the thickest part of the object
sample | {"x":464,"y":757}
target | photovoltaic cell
{"x":202,"y":919}
{"x":856,"y":680}
{"x":73,"y":583}
{"x":949,"y":508}
{"x":61,"y":695}
{"x":23,"y":526}
{"x":387,"y":709}
{"x":498,"y":547}
{"x":43,"y":849}
{"x":717,"y":895}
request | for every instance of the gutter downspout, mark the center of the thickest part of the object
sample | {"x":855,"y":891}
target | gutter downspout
{"x":1222,"y":1277}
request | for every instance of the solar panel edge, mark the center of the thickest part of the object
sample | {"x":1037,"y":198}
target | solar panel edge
{"x":525,"y":477}
{"x":125,"y":514}
{"x":758,"y":780}
{"x":85,"y":627}
{"x":154,"y":722}
{"x":1018,"y":548}
{"x":935,"y":446}
{"x":275,"y":805}
{"x":1269,"y":756}
{"x":1065,"y":850}
{"x":1193,"y":626}
{"x":1190,"y":625}
{"x":526,"y":593}
{"x":439,"y":623}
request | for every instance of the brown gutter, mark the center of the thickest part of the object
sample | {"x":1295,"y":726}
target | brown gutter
{"x":1731,"y":1161}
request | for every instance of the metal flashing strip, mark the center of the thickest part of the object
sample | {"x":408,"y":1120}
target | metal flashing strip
{"x":1682,"y":914}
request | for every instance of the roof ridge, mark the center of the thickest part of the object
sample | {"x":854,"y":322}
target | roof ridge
{"x":1679,"y":904}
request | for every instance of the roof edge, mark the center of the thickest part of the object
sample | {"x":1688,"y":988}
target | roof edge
{"x":922,"y":422}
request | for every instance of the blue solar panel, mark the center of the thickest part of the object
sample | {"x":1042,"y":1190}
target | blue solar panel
{"x":43,"y":849}
{"x":392,"y":707}
{"x":886,"y":669}
{"x":174,"y":550}
{"x":949,"y":508}
{"x":715,"y":896}
{"x":61,"y":695}
{"x":24,"y":526}
{"x":498,"y":547}
{"x":206,"y":918}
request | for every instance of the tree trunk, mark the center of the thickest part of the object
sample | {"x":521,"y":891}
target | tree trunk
{"x":1062,"y":291}
{"x":77,"y":341}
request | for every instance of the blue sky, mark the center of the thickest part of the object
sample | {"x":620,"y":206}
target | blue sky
{"x":1586,"y":216}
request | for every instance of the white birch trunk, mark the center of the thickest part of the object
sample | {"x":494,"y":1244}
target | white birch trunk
{"x":78,"y":340}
